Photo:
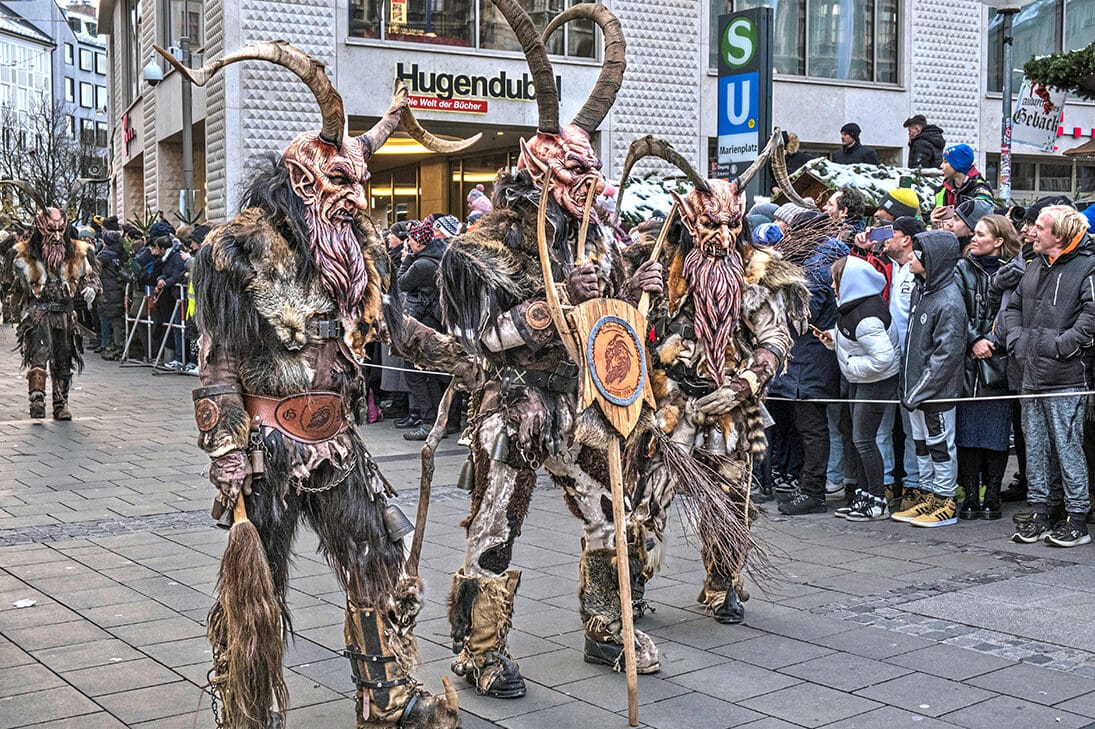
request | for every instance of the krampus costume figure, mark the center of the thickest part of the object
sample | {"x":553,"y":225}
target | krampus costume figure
{"x":53,"y":273}
{"x":288,"y":294}
{"x":493,"y":302}
{"x":718,"y":336}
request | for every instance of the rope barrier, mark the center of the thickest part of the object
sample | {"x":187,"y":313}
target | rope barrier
{"x":983,"y":398}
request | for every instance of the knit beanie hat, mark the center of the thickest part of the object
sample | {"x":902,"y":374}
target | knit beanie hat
{"x":767,"y":210}
{"x":767,"y":234}
{"x":448,"y":225}
{"x":960,"y":157}
{"x":402,"y":228}
{"x":908,"y":225}
{"x":852,"y":130}
{"x":901,"y":202}
{"x":1036,"y":207}
{"x":478,"y":201}
{"x":970,"y":211}
{"x":198,"y":234}
{"x":160,"y":227}
{"x":423,"y":232}
{"x":111,"y":223}
{"x":788,"y":212}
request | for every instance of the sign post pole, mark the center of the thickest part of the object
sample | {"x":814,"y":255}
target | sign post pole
{"x":745,"y":92}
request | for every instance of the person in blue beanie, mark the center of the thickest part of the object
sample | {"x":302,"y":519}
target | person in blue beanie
{"x":961,"y":179}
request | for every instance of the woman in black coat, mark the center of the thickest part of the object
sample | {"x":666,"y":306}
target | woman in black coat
{"x":983,"y":427}
{"x":112,"y":301}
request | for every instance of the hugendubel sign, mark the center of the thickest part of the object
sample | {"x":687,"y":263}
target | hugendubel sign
{"x":440,"y":91}
{"x":1036,"y":115}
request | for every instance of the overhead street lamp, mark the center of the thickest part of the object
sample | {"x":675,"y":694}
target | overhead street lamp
{"x":1007,"y":10}
{"x":153,"y":74}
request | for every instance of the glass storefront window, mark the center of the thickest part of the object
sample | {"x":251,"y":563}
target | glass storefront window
{"x":395,"y":195}
{"x":856,"y":40}
{"x":469,"y":23}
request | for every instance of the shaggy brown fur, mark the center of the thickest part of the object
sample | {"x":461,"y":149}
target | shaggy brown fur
{"x":76,"y":268}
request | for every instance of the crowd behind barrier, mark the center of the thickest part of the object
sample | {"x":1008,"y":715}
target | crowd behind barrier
{"x":944,"y":334}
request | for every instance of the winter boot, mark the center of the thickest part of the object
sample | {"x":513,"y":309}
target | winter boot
{"x":724,"y":598}
{"x":36,"y":390}
{"x":599,"y":604}
{"x":990,"y":506}
{"x":642,"y":566}
{"x":481,"y":615}
{"x":382,"y":651}
{"x":971,"y":504}
{"x":60,"y":397}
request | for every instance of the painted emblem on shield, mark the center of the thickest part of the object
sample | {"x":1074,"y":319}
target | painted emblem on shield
{"x":617,"y":360}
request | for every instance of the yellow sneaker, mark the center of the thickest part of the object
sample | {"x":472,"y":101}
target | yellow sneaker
{"x":923,"y":505}
{"x":945,"y":512}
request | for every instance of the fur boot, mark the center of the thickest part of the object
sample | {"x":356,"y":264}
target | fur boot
{"x":724,"y":598}
{"x":36,"y":391}
{"x":481,"y":615}
{"x":60,"y":398}
{"x":382,"y":651}
{"x":599,"y":603}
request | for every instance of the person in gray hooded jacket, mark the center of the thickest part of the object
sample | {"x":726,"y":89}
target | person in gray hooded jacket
{"x":934,"y":357}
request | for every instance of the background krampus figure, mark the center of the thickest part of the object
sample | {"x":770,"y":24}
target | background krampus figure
{"x":52,"y":274}
{"x":288,"y":294}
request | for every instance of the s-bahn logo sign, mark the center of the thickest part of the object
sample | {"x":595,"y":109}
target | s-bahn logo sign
{"x":745,"y":88}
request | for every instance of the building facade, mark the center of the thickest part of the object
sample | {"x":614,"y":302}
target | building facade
{"x":875,"y":62}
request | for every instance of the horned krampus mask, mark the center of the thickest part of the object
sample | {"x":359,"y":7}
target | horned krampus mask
{"x":50,"y":236}
{"x":327,"y":168}
{"x":566,"y":151}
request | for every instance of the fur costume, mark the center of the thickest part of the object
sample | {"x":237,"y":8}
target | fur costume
{"x":723,"y":445}
{"x":288,"y":294}
{"x":52,"y":275}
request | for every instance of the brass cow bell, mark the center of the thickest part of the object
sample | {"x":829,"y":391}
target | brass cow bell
{"x":396,"y":523}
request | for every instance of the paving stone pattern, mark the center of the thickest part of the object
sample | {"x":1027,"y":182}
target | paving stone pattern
{"x":104,"y":525}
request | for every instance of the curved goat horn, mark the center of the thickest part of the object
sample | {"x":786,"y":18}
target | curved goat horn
{"x":603,"y":95}
{"x":650,"y":146}
{"x":547,"y":94}
{"x":24,"y":187}
{"x":309,"y":70}
{"x":78,"y":185}
{"x":774,"y":151}
{"x":399,"y":114}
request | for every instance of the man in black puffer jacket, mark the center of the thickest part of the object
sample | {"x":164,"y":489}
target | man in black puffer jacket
{"x":926,"y":143}
{"x":112,"y":301}
{"x":1050,"y":327}
{"x":418,"y":282}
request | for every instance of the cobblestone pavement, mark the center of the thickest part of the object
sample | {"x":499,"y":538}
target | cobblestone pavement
{"x":104,"y":525}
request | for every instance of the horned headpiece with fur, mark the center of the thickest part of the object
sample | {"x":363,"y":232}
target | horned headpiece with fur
{"x":566,"y":150}
{"x":713,"y":213}
{"x":327,"y":169}
{"x":49,"y":239}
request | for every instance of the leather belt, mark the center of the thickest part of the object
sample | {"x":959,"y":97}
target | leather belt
{"x":52,"y":308}
{"x":326,"y":328}
{"x":310,"y":417}
{"x":563,"y":379}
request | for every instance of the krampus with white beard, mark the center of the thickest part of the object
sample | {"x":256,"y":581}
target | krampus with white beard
{"x":288,"y":295}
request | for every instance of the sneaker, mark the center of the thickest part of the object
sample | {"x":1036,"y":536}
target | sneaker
{"x":410,"y":421}
{"x":191,"y":369}
{"x":832,"y":488}
{"x":870,"y":508}
{"x":1072,"y":532}
{"x":173,"y":365}
{"x":801,"y":503}
{"x":420,"y":433}
{"x":924,"y":504}
{"x":1032,"y":529}
{"x":852,"y":505}
{"x":944,"y":513}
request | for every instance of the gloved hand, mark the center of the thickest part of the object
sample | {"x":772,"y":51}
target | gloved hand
{"x":89,"y":295}
{"x":647,"y":277}
{"x":582,"y":283}
{"x":231,"y":474}
{"x":725,"y":399}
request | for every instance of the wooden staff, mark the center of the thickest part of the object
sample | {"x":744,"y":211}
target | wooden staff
{"x":644,"y":300}
{"x":425,"y":482}
{"x":580,"y":257}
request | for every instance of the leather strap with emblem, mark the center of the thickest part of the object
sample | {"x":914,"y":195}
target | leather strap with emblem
{"x":207,"y":413}
{"x":310,"y":417}
{"x":538,"y":316}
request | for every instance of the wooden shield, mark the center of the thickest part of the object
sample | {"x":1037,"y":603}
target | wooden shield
{"x":614,"y":372}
